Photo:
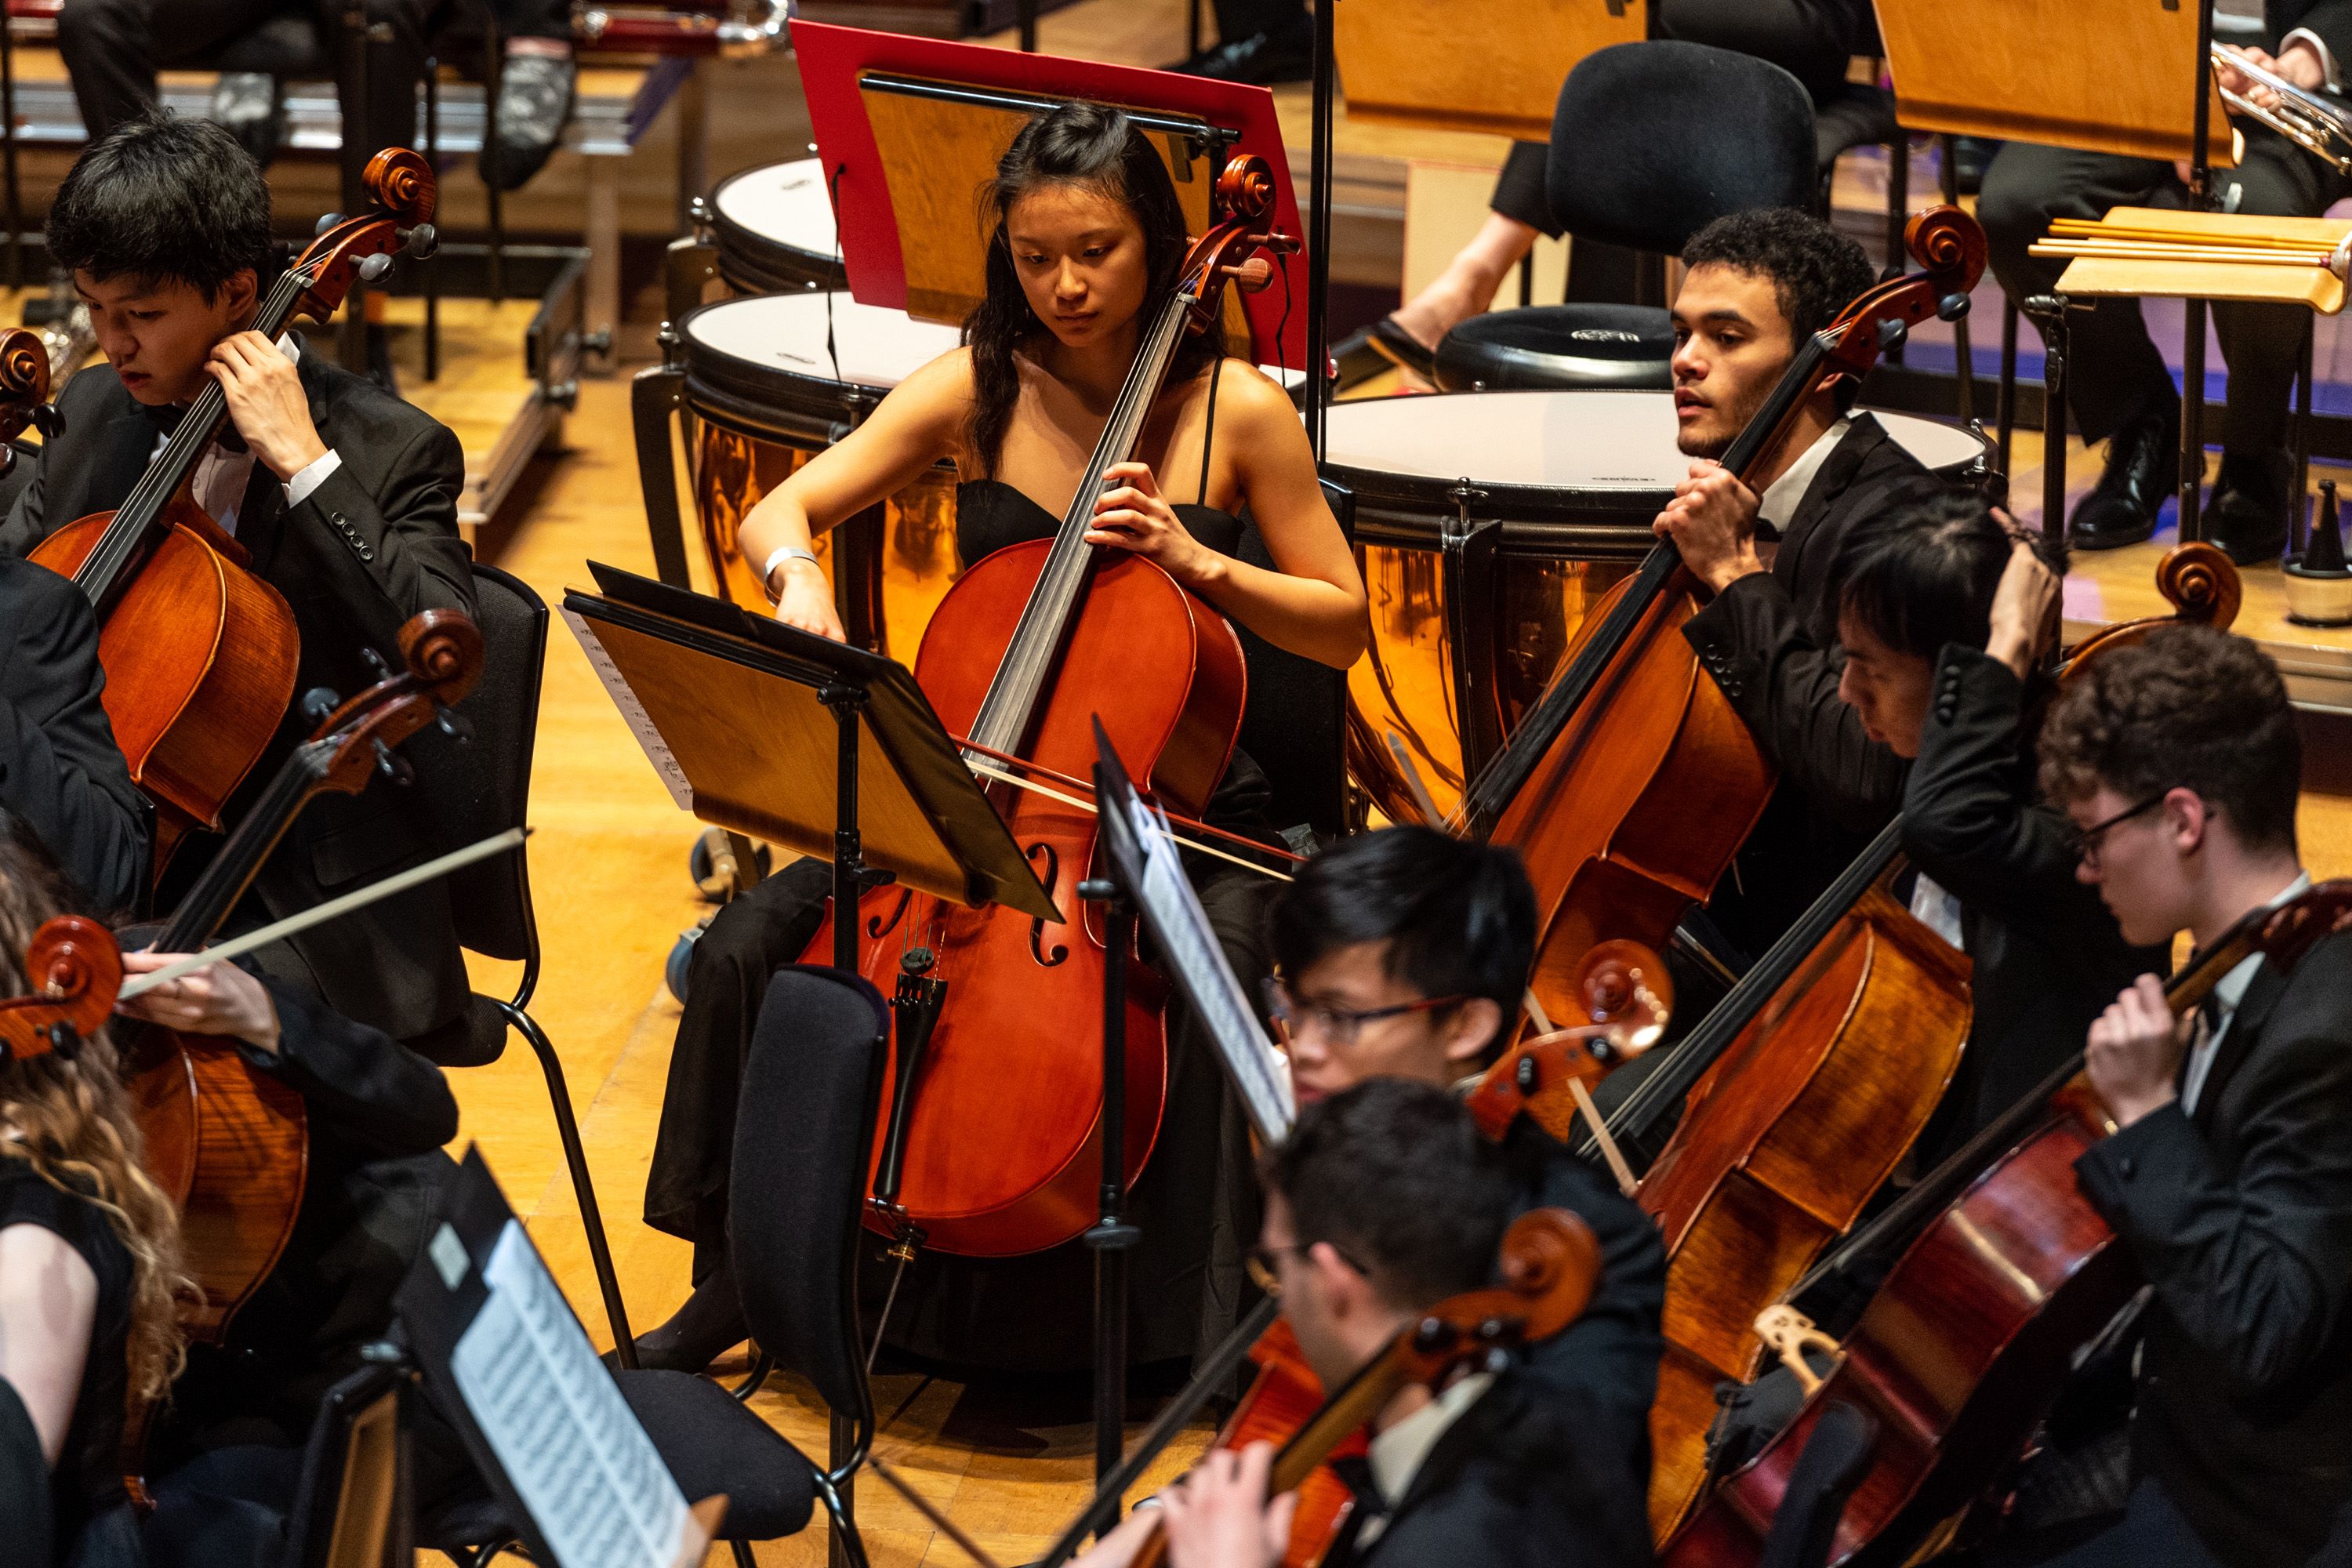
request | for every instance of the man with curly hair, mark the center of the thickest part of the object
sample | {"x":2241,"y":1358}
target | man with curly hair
{"x":1758,"y":285}
{"x":2228,"y":1177}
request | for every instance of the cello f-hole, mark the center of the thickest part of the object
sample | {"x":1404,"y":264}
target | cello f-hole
{"x":1052,"y":878}
{"x":877,"y":928}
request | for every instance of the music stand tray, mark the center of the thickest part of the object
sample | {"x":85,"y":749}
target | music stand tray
{"x":814,"y":744}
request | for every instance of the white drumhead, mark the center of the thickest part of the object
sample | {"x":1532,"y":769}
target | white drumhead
{"x":1599,"y":441}
{"x":1554,"y":440}
{"x":873,"y":347}
{"x":784,"y":202}
{"x":1936,"y":446}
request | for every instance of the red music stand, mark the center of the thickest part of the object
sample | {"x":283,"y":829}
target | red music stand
{"x":909,"y":128}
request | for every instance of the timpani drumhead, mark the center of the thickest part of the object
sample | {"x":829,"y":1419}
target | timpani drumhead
{"x":768,"y":363}
{"x":774,"y":228}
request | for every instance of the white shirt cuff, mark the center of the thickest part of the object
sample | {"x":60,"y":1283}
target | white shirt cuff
{"x":2318,"y":47}
{"x":300,"y":488}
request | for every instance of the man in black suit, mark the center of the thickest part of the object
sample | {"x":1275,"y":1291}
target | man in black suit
{"x":59,"y":768}
{"x":2117,"y":384}
{"x":1383,"y":1201}
{"x":2229,"y":1174}
{"x":1402,"y":954}
{"x":344,"y":497}
{"x":1758,"y":285}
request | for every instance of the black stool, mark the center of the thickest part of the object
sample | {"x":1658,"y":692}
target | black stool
{"x":1651,"y":142}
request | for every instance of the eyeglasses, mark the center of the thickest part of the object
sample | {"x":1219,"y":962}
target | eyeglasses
{"x":2086,"y":839}
{"x":1340,"y":1025}
{"x":1263,"y":1264}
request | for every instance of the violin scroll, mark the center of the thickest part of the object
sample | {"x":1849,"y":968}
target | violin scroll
{"x":77,"y":967}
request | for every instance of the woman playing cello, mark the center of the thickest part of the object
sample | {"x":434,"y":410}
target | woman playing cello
{"x":89,"y":1255}
{"x":1086,"y":243}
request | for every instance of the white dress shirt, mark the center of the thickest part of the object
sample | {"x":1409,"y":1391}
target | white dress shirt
{"x":2228,"y":992}
{"x":1397,"y":1455}
{"x":222,"y":475}
{"x":1779,"y":502}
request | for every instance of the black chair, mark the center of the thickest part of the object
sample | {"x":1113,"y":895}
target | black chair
{"x":805,"y":1132}
{"x":492,"y":898}
{"x":1650,"y":143}
{"x":1836,"y":1453}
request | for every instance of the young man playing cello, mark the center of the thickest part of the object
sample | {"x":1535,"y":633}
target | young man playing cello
{"x":344,"y":497}
{"x":2229,"y":1174}
{"x":1402,"y":954}
{"x":1383,"y":1201}
{"x":1758,"y":285}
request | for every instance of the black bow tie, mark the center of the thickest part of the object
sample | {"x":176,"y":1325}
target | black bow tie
{"x":166,"y":418}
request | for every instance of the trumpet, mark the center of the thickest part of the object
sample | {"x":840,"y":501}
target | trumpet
{"x":2303,"y":117}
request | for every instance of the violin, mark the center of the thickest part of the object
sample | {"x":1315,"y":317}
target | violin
{"x":228,"y":1142}
{"x":1961,"y":1350}
{"x":1631,"y":783}
{"x":200,"y":654}
{"x":1550,"y":1263}
{"x":987,"y":1142}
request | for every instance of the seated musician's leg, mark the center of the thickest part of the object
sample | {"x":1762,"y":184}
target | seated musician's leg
{"x":108,"y":49}
{"x":396,"y":69}
{"x":1519,"y":212}
{"x":2116,"y":382}
{"x":535,"y":88}
{"x":2262,"y":345}
{"x":686,"y":1187}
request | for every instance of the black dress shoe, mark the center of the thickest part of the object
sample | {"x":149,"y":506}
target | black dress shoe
{"x":2247,"y":517}
{"x":1261,"y":60}
{"x":2143,"y":468}
{"x":710,"y":1324}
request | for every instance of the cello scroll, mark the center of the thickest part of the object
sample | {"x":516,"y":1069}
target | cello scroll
{"x":76,"y":967}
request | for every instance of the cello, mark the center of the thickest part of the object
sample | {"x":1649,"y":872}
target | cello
{"x":1971,"y":1335}
{"x":200,"y":654}
{"x":1631,"y":783}
{"x":226,"y":1141}
{"x":988,"y":1121}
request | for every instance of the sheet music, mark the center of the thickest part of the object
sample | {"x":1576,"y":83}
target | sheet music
{"x":640,"y":722}
{"x":594,"y":1484}
{"x":1191,"y":952}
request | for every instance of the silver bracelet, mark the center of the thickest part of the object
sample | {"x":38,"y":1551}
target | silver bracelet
{"x":776,"y":558}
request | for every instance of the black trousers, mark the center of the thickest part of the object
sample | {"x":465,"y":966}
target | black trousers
{"x":1194,"y":1200}
{"x":2115,"y":371}
{"x":112,"y":50}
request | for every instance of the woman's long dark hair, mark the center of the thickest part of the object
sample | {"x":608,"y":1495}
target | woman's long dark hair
{"x":1077,"y":144}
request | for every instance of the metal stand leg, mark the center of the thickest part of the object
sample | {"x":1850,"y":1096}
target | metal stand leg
{"x":8,"y":155}
{"x":1113,"y":1234}
{"x":1965,"y":364}
{"x":494,"y":65}
{"x":432,"y":161}
{"x":1318,"y":232}
{"x":2298,"y":521}
{"x":2192,"y":419}
{"x":2005,"y":395}
{"x":1025,"y":13}
{"x":2050,"y":311}
{"x":848,"y":843}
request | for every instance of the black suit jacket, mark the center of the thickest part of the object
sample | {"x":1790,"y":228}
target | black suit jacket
{"x":2241,"y":1217}
{"x":1770,"y":640}
{"x":2048,"y":956}
{"x":1505,"y":1484}
{"x":2330,"y":19}
{"x":1599,"y":1379}
{"x":60,"y":772}
{"x":376,"y":544}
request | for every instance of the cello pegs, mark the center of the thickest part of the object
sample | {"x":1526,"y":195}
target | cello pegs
{"x":455,"y":725}
{"x":319,"y":702}
{"x":374,"y":661}
{"x":393,"y":765}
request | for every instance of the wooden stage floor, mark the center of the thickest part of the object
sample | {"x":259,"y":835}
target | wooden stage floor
{"x":613,"y":895}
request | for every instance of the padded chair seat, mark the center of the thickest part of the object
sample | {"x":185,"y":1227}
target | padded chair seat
{"x":714,"y":1445}
{"x":1558,"y":347}
{"x":475,"y":1038}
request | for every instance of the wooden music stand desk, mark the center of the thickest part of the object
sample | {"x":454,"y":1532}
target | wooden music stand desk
{"x":2292,"y":280}
{"x":756,"y":727}
{"x":1488,"y":66}
{"x":2112,"y":76}
{"x":910,"y":130}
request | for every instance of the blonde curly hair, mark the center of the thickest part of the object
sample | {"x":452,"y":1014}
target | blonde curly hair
{"x":69,"y":1119}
